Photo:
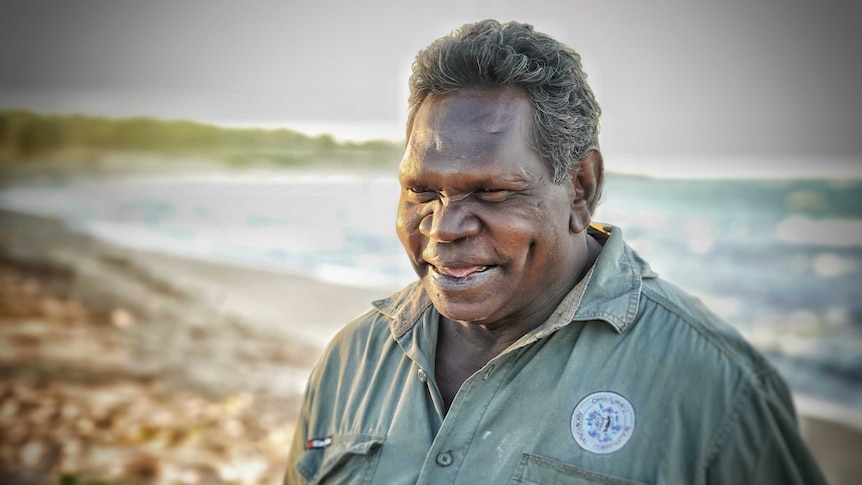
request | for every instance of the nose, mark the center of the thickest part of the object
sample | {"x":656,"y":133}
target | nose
{"x":449,"y":221}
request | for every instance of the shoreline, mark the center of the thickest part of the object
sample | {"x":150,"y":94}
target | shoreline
{"x":811,"y":407}
{"x":220,"y":330}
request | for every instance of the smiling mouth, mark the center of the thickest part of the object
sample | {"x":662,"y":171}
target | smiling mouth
{"x":461,"y":278}
{"x":460,"y":273}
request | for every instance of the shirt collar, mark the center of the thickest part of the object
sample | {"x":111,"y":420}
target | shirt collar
{"x":614,"y":289}
{"x":404,"y":308}
{"x":610,"y":292}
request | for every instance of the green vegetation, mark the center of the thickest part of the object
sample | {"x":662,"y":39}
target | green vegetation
{"x":79,"y":141}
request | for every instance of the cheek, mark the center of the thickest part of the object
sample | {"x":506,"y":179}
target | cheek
{"x":407,"y":223}
{"x":530,"y":237}
{"x":517,"y":224}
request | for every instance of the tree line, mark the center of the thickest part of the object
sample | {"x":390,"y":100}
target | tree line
{"x":26,"y":136}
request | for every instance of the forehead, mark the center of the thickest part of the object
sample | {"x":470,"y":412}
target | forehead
{"x":471,"y":125}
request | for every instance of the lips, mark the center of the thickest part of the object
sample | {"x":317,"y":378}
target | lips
{"x":460,"y":277}
{"x":459,"y":272}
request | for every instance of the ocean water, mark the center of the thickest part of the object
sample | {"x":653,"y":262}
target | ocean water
{"x":781,"y":260}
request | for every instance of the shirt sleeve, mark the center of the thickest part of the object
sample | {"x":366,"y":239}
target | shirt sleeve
{"x":760,"y":440}
{"x":300,"y":437}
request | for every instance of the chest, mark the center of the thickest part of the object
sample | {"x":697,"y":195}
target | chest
{"x":521,"y":417}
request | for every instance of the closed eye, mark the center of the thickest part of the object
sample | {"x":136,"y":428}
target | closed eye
{"x":493,"y":195}
{"x":420,"y":194}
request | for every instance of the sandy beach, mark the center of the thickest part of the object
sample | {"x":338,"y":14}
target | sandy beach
{"x":123,"y":365}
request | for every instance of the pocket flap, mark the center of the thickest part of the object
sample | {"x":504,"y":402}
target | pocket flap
{"x":535,"y":469}
{"x":317,"y":463}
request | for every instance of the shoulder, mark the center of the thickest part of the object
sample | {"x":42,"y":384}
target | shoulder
{"x":718,"y":373}
{"x":691,"y":325}
{"x":368,"y":330}
{"x":366,"y":335}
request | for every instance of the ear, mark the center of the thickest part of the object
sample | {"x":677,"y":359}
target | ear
{"x":588,"y":178}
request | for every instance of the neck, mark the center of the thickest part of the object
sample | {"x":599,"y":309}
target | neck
{"x":465,"y":347}
{"x":477,"y":343}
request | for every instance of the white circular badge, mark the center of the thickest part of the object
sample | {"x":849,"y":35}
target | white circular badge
{"x":603,"y":422}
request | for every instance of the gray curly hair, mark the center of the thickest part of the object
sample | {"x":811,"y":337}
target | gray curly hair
{"x":491,"y":54}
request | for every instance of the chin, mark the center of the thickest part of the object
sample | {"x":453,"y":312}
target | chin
{"x":462,"y":311}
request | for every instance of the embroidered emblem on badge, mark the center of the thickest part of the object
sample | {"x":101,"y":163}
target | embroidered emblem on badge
{"x":603,"y":422}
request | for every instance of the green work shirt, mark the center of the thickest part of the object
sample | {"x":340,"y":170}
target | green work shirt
{"x":629,"y":381}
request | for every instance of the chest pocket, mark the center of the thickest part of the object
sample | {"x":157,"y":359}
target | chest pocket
{"x":348,"y":459}
{"x":538,"y":470}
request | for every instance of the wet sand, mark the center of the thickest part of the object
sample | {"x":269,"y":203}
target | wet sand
{"x":118,"y":363}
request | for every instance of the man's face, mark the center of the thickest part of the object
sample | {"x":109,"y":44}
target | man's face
{"x":486,"y":228}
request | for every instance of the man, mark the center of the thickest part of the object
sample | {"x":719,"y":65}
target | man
{"x":537,"y":347}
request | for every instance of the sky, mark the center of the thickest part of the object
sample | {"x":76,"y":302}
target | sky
{"x":764,"y":86}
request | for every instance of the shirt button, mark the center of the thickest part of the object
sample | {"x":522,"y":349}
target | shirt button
{"x":444,"y":459}
{"x":422,"y":376}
